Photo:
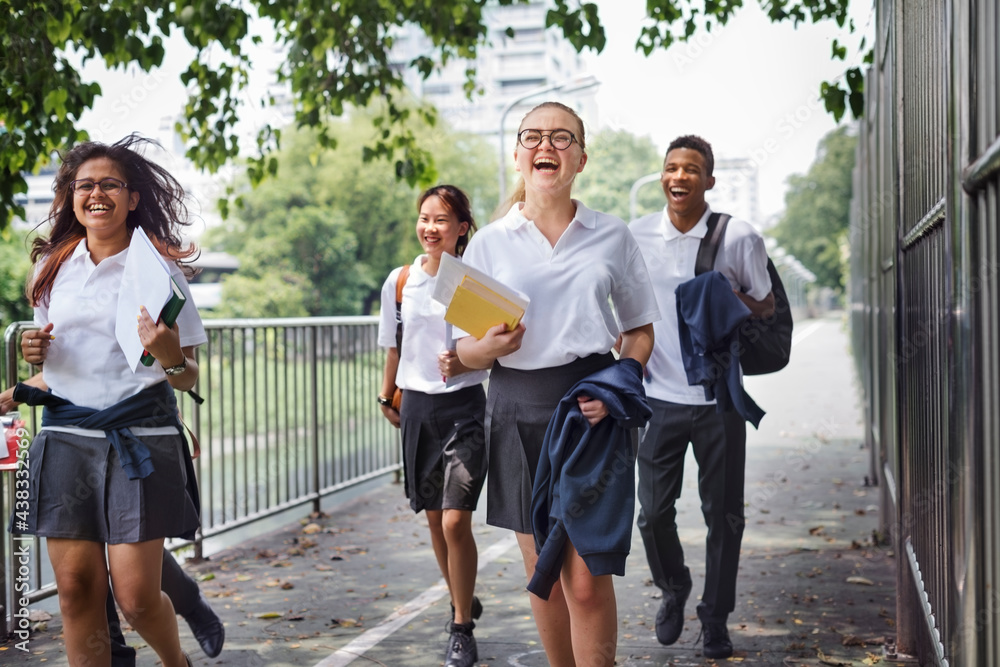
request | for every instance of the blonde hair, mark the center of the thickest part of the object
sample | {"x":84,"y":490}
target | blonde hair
{"x":517,"y":195}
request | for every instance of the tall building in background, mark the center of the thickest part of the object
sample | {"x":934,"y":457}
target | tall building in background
{"x":735,"y":190}
{"x":507,"y":68}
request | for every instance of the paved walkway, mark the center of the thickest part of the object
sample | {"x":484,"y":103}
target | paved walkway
{"x":359,"y":585}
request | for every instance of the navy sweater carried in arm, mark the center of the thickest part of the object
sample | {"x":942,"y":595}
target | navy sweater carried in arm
{"x":584,"y":488}
{"x":708,"y":318}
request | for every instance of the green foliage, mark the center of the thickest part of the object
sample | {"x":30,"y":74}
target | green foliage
{"x":261,"y":293}
{"x":615,"y":160}
{"x":325,"y":232}
{"x":14,"y":267}
{"x":814,"y":225}
{"x":337,"y":57}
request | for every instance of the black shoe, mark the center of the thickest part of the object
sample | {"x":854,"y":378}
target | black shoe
{"x":477,"y":609}
{"x":670,"y":617}
{"x":206,"y":626}
{"x":717,"y":644}
{"x":462,"y":651}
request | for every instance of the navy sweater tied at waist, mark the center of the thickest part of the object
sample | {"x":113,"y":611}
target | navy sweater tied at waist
{"x":154,"y":406}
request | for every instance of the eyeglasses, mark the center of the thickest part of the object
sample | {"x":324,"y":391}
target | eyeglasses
{"x":109,"y":186}
{"x":560,"y":139}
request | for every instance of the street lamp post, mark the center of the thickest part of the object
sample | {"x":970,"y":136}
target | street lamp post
{"x":633,"y":194}
{"x":566,"y":86}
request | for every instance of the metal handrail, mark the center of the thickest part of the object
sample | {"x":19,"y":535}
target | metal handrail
{"x":288,"y":419}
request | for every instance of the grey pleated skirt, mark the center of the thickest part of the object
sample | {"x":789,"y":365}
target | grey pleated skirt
{"x":78,"y":490}
{"x":518,"y":408}
{"x":444,"y":448}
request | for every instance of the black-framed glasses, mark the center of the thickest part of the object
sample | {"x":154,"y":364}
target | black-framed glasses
{"x":109,"y":186}
{"x":560,"y":139}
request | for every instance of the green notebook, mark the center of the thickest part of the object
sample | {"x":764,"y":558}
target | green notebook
{"x":168,"y":315}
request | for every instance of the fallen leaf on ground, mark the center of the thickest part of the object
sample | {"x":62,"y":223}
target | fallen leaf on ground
{"x":312,"y":529}
{"x":860,"y":580}
{"x":828,"y":660}
{"x":270,"y":614}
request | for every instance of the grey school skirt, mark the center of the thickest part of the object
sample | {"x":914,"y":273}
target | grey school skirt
{"x":78,"y":490}
{"x":518,"y":408}
{"x":444,"y":448}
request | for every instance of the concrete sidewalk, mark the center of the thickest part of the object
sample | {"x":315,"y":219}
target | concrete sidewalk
{"x":360,"y":584}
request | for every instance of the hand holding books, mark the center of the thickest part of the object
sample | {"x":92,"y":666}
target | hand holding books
{"x":476,"y":302}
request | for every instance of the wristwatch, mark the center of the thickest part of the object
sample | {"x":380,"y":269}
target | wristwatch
{"x":382,"y":400}
{"x":178,"y":369}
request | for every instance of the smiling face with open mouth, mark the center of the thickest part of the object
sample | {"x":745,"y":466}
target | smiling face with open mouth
{"x":685,"y":180}
{"x":438,"y":228}
{"x":102,"y":214}
{"x":545,"y":168}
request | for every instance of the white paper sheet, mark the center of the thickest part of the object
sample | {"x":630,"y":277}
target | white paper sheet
{"x":145,"y":282}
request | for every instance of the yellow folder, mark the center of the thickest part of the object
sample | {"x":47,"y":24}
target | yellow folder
{"x":476,"y":308}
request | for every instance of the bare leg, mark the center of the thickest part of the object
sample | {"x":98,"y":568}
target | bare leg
{"x":463,"y":561}
{"x":593,"y":610}
{"x":551,"y":616}
{"x":438,"y":541}
{"x":82,"y":578}
{"x":135,"y":576}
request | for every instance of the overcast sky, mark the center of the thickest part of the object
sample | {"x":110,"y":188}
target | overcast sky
{"x":751,"y":88}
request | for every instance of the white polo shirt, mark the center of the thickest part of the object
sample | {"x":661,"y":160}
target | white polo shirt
{"x":424,"y":334}
{"x":572,"y":285}
{"x":670,"y":258}
{"x":85,"y":364}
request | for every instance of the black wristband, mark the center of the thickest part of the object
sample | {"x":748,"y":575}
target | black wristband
{"x":382,"y":400}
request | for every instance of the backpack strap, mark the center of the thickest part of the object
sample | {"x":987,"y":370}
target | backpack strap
{"x":404,"y":273}
{"x":708,"y":249}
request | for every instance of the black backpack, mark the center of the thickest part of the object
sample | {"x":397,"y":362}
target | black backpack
{"x":765,"y":343}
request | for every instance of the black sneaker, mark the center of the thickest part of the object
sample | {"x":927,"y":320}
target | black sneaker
{"x":462,"y":651}
{"x":670,"y":617}
{"x":717,"y":644}
{"x":477,"y":609}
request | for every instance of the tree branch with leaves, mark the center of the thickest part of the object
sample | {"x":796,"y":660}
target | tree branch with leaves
{"x":337,"y":56}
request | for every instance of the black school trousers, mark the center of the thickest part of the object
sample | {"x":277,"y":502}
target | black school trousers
{"x":718,"y":441}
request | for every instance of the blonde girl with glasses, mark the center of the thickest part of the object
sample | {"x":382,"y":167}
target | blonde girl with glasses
{"x":570,"y":261}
